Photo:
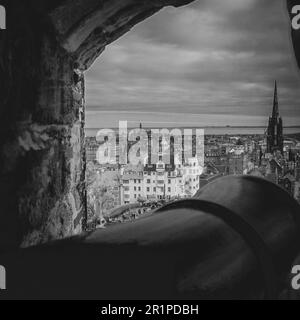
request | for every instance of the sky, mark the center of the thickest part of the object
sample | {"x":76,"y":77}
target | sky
{"x":211,"y":62}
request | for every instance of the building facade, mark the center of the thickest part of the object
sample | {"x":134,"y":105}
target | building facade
{"x":160,"y":182}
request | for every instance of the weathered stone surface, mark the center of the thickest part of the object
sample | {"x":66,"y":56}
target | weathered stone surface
{"x":86,"y":32}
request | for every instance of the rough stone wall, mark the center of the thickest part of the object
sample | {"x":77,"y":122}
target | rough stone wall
{"x":42,"y":154}
{"x":43,"y":52}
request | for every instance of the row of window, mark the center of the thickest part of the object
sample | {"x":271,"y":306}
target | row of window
{"x":149,"y":181}
{"x":135,"y":181}
{"x":136,"y":196}
{"x":158,"y":181}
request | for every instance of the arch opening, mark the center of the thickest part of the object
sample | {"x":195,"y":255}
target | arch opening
{"x":163,"y":75}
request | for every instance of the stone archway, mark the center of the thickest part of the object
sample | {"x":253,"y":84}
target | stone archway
{"x":43,"y":53}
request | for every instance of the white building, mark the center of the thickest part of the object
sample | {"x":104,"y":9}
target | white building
{"x":156,"y":182}
{"x":132,"y":183}
{"x":191,"y":174}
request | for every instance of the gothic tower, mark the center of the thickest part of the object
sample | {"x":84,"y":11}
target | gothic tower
{"x":275,"y":128}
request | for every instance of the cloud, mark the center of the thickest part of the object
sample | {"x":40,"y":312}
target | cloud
{"x":213,"y":56}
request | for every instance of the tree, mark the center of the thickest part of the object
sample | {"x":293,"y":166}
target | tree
{"x":100,"y":185}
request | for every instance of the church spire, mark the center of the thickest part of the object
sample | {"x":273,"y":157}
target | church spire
{"x":275,"y":128}
{"x":275,"y":113}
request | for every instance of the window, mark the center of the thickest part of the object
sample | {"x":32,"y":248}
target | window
{"x":148,"y":181}
{"x":148,"y":189}
{"x":169,"y":189}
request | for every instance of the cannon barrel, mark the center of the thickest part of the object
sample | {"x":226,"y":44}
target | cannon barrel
{"x":235,"y":240}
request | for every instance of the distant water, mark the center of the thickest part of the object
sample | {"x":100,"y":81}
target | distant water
{"x":219,"y":131}
{"x":214,"y":124}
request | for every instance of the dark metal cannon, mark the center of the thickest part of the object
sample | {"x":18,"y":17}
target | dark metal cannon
{"x":236,"y":239}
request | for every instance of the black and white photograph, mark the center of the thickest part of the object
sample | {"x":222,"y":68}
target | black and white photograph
{"x":149,"y":151}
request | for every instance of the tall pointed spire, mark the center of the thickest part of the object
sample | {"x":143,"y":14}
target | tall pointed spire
{"x":275,"y":128}
{"x":275,"y":113}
